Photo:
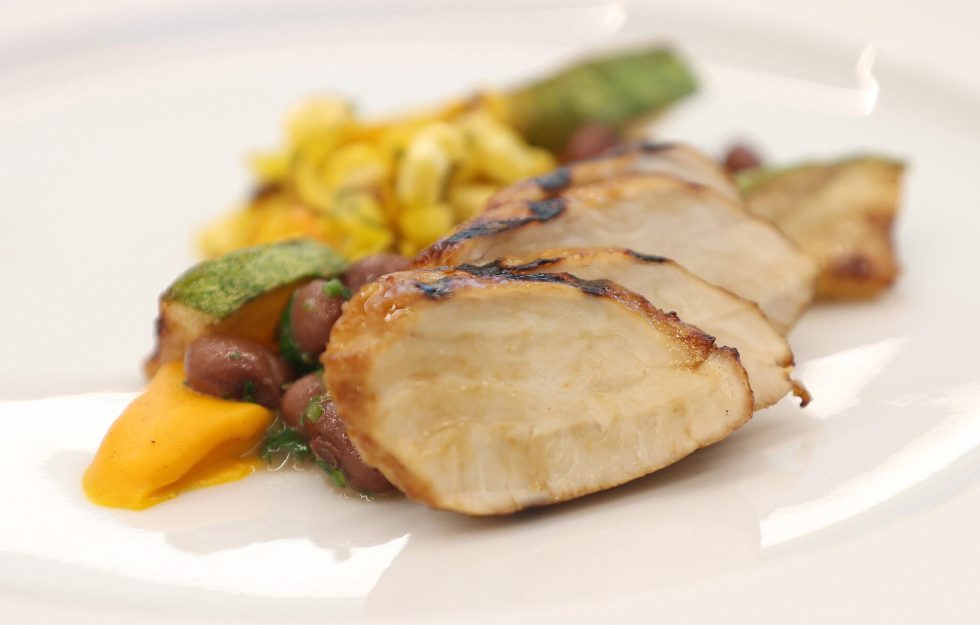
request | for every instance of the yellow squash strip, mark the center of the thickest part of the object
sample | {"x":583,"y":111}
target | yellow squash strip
{"x":172,"y":439}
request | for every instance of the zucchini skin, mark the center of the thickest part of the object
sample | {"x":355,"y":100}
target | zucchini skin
{"x":612,"y":90}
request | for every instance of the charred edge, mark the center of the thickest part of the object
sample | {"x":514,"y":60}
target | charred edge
{"x":547,"y":209}
{"x":642,"y":146}
{"x":802,"y":393}
{"x":647,"y":258}
{"x":542,"y":210}
{"x":440,"y":289}
{"x":701,"y":333}
{"x":594,"y":287}
{"x":495,"y":270}
{"x":522,"y":268}
{"x":555,"y":180}
{"x":651,"y":147}
{"x":485,"y":229}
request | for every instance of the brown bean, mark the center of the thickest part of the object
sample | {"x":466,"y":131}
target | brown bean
{"x":298,"y":396}
{"x":740,"y":157}
{"x":328,"y":434}
{"x":330,"y":443}
{"x":370,"y":268}
{"x":233,"y":368}
{"x":312,"y":316}
{"x":589,"y":140}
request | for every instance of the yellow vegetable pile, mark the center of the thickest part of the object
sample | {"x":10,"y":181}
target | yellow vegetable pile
{"x":365,"y":188}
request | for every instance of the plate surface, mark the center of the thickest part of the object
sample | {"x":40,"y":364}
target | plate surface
{"x":862,"y":507}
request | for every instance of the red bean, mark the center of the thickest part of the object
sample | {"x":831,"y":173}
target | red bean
{"x":234,"y":368}
{"x":313,"y":313}
{"x":298,"y":396}
{"x":370,"y":268}
{"x":331,"y":444}
{"x":306,"y":407}
{"x":589,"y":140}
{"x":740,"y":157}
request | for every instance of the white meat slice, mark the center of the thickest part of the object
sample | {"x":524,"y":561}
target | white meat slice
{"x":673,"y":159}
{"x":486,"y":391}
{"x":732,"y":320}
{"x":710,"y":235}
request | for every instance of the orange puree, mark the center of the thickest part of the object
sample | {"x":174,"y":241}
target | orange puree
{"x":172,"y":439}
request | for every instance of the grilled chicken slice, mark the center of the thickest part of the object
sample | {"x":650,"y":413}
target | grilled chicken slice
{"x":709,"y":234}
{"x":841,"y":213}
{"x":732,"y":320}
{"x":674,"y":159}
{"x":485,"y":391}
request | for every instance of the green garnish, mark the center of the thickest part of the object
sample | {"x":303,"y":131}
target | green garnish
{"x":283,"y":442}
{"x":235,"y":356}
{"x":313,"y":411}
{"x":336,"y":475}
{"x":248,"y":391}
{"x":289,"y":349}
{"x":336,"y":288}
{"x":282,"y":439}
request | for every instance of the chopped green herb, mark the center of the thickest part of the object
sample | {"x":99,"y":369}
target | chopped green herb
{"x":336,"y":475}
{"x":312,"y":412}
{"x":288,"y":347}
{"x":336,"y":288}
{"x":282,"y":439}
{"x":248,"y":391}
{"x":235,"y":356}
{"x":283,"y":442}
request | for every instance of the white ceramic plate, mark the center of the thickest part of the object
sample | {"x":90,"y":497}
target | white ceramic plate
{"x":117,"y":141}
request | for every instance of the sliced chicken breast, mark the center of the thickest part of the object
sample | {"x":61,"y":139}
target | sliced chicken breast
{"x":842,"y":213}
{"x":732,"y":320}
{"x":485,"y":391}
{"x":709,"y":234}
{"x":674,"y":159}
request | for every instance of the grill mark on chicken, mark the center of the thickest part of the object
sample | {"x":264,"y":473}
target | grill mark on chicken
{"x":648,"y":258}
{"x":648,"y":147}
{"x":554,"y":181}
{"x":438,"y":290}
{"x":541,"y":211}
{"x":537,"y":263}
{"x":485,"y":228}
{"x":443,"y":287}
{"x":655,"y":146}
{"x":548,"y":208}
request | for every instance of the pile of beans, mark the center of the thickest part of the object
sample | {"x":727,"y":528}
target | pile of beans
{"x":244,"y":370}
